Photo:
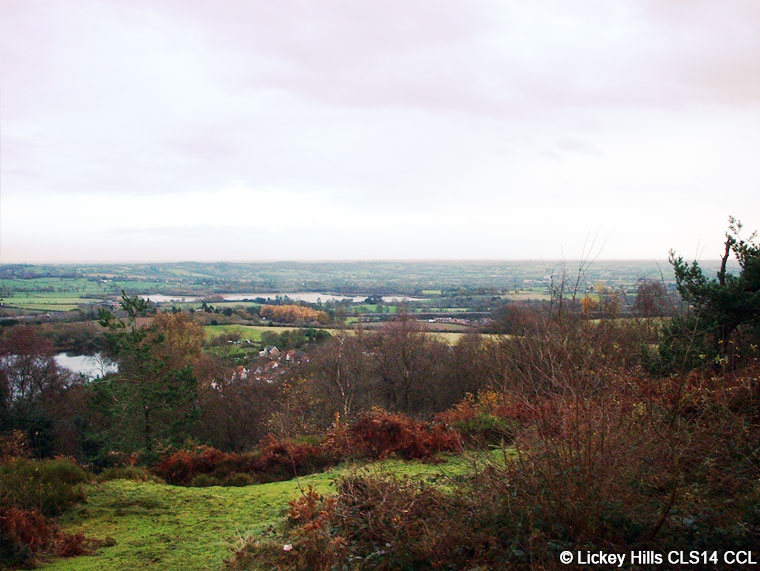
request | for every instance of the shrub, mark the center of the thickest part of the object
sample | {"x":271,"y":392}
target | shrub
{"x":204,"y":481}
{"x":134,"y":473}
{"x":384,"y":523}
{"x":282,"y":459}
{"x":312,"y":543}
{"x":50,"y":486}
{"x":238,"y":479}
{"x":182,"y":466}
{"x":485,"y":428}
{"x":274,"y":460}
{"x":13,"y":444}
{"x":25,"y":535}
{"x":379,"y":434}
{"x":489,"y":418}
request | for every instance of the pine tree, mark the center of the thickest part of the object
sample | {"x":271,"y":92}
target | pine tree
{"x":153,"y":397}
{"x":723,"y":322}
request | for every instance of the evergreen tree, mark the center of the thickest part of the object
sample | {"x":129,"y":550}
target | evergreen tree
{"x":153,"y":398}
{"x":723,"y":320}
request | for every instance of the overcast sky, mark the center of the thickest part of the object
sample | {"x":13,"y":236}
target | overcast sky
{"x":160,"y":130}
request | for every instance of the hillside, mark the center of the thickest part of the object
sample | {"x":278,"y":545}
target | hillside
{"x":171,"y":527}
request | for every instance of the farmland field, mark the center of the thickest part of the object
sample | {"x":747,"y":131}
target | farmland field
{"x":250,"y":332}
{"x":254,"y":332}
{"x":48,"y":301}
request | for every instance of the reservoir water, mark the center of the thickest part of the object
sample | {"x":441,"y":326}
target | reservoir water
{"x":90,"y":366}
{"x":307,"y":296}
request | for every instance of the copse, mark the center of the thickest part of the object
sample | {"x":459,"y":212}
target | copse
{"x":32,"y":389}
{"x":651,"y":299}
{"x":293,"y":314}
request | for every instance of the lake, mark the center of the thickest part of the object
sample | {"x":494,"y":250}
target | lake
{"x":313,"y":297}
{"x":160,"y":298}
{"x":307,"y":296}
{"x":90,"y":366}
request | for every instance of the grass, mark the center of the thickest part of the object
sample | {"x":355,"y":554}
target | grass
{"x":49,"y":301}
{"x":168,"y":527}
{"x":252,"y":332}
{"x":51,"y":285}
{"x":523,"y":295}
{"x":43,"y":306}
{"x":449,"y":338}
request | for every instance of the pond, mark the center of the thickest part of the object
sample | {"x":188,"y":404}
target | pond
{"x":90,"y":366}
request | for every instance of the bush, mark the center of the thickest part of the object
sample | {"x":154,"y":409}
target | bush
{"x":134,"y":473}
{"x":182,"y":466}
{"x":315,"y":548}
{"x":50,"y":486}
{"x":13,"y":444}
{"x":489,"y":418}
{"x":25,"y":535}
{"x":283,"y":459}
{"x":485,"y":428}
{"x":204,"y":481}
{"x":274,"y":460}
{"x":238,"y":479}
{"x":385,"y":523}
{"x":379,"y":434}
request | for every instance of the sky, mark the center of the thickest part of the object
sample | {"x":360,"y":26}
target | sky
{"x":175,"y":130}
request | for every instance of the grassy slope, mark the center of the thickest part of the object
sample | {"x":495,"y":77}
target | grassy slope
{"x":169,"y":527}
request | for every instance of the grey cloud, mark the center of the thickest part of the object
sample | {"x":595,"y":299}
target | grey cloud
{"x":404,"y":102}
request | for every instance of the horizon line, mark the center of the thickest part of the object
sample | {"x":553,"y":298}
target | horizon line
{"x":339,"y":261}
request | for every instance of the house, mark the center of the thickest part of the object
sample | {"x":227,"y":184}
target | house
{"x":240,"y":372}
{"x":270,"y":351}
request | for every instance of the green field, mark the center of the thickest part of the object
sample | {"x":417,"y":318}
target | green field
{"x":44,"y":306}
{"x":52,"y":301}
{"x":171,"y":527}
{"x":449,"y":338}
{"x":524,"y":295}
{"x":251,"y":332}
